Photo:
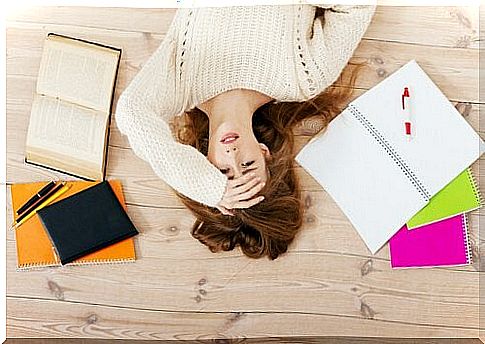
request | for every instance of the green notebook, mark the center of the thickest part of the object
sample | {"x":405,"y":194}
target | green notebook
{"x":459,"y":196}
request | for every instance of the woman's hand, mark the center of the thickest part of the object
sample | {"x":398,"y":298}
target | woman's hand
{"x":239,"y":192}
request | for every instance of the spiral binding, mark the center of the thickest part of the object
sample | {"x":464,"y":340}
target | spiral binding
{"x":391,"y":152}
{"x":476,"y":190}
{"x":469,"y":256}
{"x":40,"y":265}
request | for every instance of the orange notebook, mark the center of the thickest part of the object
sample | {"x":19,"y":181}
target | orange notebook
{"x":34,"y":249}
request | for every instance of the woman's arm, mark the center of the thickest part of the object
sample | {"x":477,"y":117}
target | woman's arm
{"x":337,"y":34}
{"x":140,"y":114}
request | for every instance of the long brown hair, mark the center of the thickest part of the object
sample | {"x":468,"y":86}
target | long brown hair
{"x":267,"y":228}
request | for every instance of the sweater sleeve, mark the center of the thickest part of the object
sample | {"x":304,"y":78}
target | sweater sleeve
{"x":141,"y":112}
{"x":338,"y":33}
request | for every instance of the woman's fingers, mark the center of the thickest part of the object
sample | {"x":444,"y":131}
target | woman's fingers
{"x":250,"y":193}
{"x":249,"y":203}
{"x":241,"y":180}
{"x":243,"y":203}
{"x":253,"y":183}
{"x":239,"y":193}
{"x":224,"y":211}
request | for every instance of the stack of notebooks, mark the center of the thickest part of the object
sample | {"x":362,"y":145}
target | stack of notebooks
{"x":87,"y":224}
{"x":438,"y":234}
{"x":414,"y":193}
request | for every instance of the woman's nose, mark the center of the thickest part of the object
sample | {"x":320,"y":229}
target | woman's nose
{"x":233,"y":154}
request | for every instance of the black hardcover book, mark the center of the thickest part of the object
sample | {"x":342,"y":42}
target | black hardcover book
{"x":86,"y":222}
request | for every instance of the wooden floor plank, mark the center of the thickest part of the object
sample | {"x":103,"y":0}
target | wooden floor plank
{"x":263,"y":340}
{"x":184,"y":275}
{"x":89,"y":321}
{"x":453,"y":70}
{"x":446,"y":26}
{"x":325,"y":230}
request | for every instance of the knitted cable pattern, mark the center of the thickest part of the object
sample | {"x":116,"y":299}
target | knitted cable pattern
{"x":282,"y":51}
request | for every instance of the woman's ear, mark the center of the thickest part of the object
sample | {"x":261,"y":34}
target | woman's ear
{"x":265,"y":150}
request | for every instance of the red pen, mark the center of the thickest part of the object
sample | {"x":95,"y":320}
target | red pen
{"x":405,"y":99}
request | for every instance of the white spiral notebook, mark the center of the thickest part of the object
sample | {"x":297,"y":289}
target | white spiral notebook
{"x":376,"y":176}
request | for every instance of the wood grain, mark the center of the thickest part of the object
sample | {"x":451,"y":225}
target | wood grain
{"x":69,"y":319}
{"x":327,"y":284}
{"x":261,"y":340}
{"x":453,"y":70}
{"x":447,"y":26}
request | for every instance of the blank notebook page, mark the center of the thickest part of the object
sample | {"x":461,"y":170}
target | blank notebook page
{"x":378,"y":178}
{"x":361,"y":179}
{"x":444,"y":144}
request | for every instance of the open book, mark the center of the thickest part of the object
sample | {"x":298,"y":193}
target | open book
{"x":70,"y":116}
{"x":378,"y":177}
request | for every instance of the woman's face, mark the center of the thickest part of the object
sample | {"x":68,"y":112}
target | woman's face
{"x":237,"y":153}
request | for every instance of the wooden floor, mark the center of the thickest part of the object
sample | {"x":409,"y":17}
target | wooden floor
{"x":328,"y":283}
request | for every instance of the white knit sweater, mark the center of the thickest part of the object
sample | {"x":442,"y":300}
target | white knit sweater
{"x":282,"y":51}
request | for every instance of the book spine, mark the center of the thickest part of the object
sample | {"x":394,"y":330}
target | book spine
{"x":46,"y":226}
{"x":465,"y":226}
{"x":110,"y":116}
{"x":476,"y":189}
{"x":58,"y":170}
{"x":84,"y":41}
{"x":398,"y":160}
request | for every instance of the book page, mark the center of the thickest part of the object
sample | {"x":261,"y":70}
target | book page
{"x":367,"y":185}
{"x":67,"y":129}
{"x":443,"y":143}
{"x":77,"y":72}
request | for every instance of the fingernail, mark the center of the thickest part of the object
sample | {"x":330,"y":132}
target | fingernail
{"x":261,"y":198}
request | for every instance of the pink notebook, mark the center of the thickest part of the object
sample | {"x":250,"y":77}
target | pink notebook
{"x":440,"y":243}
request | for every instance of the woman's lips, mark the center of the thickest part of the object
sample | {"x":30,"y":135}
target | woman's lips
{"x":229,"y":138}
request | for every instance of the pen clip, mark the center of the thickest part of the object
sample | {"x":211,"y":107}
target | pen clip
{"x":405,"y":94}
